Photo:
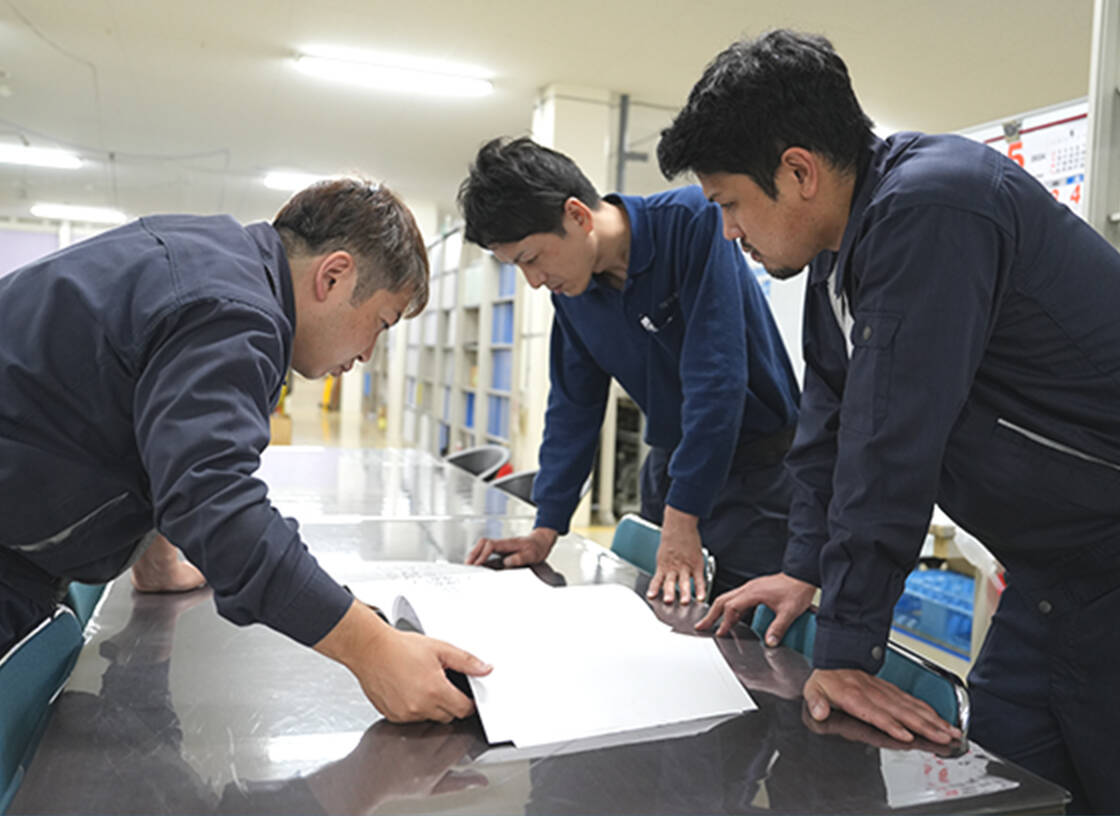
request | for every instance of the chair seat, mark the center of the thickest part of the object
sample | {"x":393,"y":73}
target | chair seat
{"x":484,"y":461}
{"x":519,"y":484}
{"x":31,"y":675}
{"x":83,"y":598}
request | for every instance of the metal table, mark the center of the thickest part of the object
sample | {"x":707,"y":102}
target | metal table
{"x":173,"y":710}
{"x":310,"y":483}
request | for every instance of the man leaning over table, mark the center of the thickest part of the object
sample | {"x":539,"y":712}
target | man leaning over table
{"x":647,"y":291}
{"x":138,"y":370}
{"x":962,"y":347}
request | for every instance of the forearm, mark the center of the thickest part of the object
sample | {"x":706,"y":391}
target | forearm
{"x":355,"y":637}
{"x":678,"y":521}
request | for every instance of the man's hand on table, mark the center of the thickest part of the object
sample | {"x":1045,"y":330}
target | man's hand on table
{"x":844,"y":725}
{"x":787,"y":596}
{"x":161,"y":569}
{"x":680,"y":560}
{"x":518,"y":551}
{"x":402,"y":673}
{"x":875,"y":701}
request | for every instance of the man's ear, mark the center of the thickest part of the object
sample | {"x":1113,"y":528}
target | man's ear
{"x":331,"y":273}
{"x":579,"y":212}
{"x":804,"y":166}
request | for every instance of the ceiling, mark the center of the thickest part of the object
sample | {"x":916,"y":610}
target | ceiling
{"x":179,"y":106}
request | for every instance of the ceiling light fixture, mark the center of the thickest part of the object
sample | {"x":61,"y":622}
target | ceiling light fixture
{"x":89,"y":215}
{"x":290,"y":181}
{"x":388,"y":72}
{"x":39,"y":157}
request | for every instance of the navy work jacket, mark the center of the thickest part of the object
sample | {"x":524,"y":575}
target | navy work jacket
{"x":137,"y":373}
{"x":691,"y":339}
{"x":984,"y":374}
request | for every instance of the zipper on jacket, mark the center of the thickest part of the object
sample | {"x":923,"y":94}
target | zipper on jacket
{"x":1058,"y":446}
{"x":62,"y":535}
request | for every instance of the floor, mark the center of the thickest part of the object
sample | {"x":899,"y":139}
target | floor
{"x":312,"y":425}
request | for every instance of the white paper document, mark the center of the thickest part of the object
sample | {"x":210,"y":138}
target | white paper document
{"x":569,"y":663}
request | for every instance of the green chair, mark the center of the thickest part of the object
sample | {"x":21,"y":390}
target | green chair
{"x":636,"y":540}
{"x":941,"y":689}
{"x":31,"y":675}
{"x":83,"y":598}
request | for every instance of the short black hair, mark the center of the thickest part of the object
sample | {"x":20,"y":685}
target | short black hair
{"x":369,"y":221}
{"x":518,"y":188}
{"x":760,"y":97}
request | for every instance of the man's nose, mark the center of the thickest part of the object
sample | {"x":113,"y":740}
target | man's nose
{"x":731,"y":230}
{"x":534,"y":278}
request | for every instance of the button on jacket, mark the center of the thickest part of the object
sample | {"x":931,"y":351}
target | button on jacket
{"x":137,"y":373}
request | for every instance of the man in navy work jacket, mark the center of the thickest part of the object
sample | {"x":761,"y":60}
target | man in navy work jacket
{"x":962,"y":347}
{"x":647,"y":291}
{"x":138,"y":370}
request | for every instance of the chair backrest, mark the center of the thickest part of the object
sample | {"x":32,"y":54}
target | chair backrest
{"x":483,"y":461}
{"x":83,"y":598}
{"x":519,"y":484}
{"x":636,"y":540}
{"x":940,"y":688}
{"x":31,"y":675}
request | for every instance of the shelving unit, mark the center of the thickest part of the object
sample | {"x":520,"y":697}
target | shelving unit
{"x":460,"y":360}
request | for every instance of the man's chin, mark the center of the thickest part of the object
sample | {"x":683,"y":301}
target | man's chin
{"x":783,"y":272}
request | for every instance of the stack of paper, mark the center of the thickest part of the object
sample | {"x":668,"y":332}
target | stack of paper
{"x":570,"y":662}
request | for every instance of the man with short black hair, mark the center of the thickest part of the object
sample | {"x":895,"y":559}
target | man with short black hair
{"x":656,"y":298}
{"x":961,"y":347}
{"x":138,"y":371}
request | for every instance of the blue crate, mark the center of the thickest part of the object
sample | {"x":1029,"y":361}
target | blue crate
{"x":497,"y":422}
{"x":501,"y":323}
{"x":501,"y":370}
{"x":507,"y":280}
{"x":936,"y":606}
{"x":468,"y":410}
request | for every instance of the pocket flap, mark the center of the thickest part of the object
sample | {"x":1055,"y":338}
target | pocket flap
{"x":874,"y":329}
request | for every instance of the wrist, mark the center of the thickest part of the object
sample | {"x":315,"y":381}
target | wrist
{"x":675,"y":519}
{"x":358,"y":634}
{"x":545,"y":535}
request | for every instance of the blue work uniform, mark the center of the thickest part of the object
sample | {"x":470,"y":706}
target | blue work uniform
{"x":137,"y":373}
{"x":691,"y":339}
{"x":978,"y":367}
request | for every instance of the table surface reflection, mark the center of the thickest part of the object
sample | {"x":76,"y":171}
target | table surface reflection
{"x":310,"y":483}
{"x":171,"y":709}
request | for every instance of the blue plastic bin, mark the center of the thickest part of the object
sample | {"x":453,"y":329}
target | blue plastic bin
{"x":937,"y":607}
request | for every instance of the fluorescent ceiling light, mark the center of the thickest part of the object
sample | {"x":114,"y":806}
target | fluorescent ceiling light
{"x":39,"y":157}
{"x":290,"y":181}
{"x":388,"y":72}
{"x":90,"y":215}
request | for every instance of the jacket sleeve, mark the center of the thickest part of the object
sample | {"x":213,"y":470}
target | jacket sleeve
{"x":925,"y":280}
{"x":577,"y":400}
{"x":201,"y":410}
{"x":713,"y":363}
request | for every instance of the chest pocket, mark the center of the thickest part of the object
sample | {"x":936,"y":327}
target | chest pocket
{"x":665,"y":324}
{"x":867,"y":387}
